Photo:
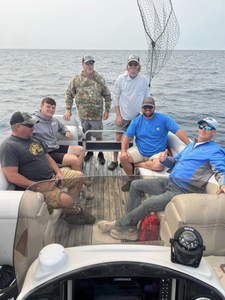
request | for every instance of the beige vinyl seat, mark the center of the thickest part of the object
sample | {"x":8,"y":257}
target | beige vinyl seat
{"x":204,"y":212}
{"x":33,"y":232}
{"x":176,"y":146}
{"x":73,"y":127}
{"x":36,"y":218}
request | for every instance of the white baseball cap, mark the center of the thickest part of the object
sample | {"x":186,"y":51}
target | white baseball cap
{"x":212,"y":122}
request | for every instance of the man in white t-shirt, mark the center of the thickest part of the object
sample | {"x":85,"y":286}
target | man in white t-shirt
{"x":129,"y":91}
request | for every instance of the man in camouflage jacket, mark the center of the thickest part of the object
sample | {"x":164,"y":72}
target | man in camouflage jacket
{"x":89,"y":88}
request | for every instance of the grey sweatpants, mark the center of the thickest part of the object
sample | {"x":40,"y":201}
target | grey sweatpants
{"x":162,"y":189}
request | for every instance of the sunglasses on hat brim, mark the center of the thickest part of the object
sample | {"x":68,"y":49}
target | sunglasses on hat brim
{"x":27,"y":125}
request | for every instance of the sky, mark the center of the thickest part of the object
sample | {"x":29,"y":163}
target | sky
{"x":104,"y":24}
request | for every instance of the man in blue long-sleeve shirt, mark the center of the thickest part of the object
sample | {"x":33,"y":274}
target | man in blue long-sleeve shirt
{"x":191,"y":170}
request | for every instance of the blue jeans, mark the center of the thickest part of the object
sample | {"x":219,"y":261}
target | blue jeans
{"x":162,"y":189}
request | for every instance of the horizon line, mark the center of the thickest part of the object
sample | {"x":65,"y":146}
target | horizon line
{"x":107,"y":49}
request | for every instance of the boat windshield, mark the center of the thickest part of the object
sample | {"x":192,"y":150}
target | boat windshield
{"x":68,"y":212}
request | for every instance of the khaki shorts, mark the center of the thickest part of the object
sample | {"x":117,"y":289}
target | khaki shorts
{"x":53,"y":197}
{"x":137,"y":157}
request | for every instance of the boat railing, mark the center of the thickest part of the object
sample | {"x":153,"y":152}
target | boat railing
{"x":105,"y":145}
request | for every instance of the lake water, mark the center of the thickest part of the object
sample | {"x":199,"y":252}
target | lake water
{"x":190,"y":87}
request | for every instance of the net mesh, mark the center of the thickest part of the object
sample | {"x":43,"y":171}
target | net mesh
{"x":162,"y":32}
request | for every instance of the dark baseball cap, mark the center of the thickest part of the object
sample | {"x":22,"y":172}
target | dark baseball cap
{"x":22,"y":117}
{"x":133,"y":57}
{"x":148,"y":102}
{"x":87,"y":58}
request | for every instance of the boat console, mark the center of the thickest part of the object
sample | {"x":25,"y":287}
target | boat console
{"x":82,"y":262}
{"x":112,"y":273}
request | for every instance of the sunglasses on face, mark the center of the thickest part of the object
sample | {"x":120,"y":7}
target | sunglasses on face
{"x":148,"y":107}
{"x":90,"y":62}
{"x":207,"y":128}
{"x":28,"y":125}
{"x":135,"y":64}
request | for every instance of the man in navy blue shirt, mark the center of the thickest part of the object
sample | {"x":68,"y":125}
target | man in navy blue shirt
{"x":150,"y":131}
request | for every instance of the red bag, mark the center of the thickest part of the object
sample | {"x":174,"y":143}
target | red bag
{"x":149,"y":228}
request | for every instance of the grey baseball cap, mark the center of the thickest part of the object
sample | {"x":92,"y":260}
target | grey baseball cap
{"x":133,"y":57}
{"x":87,"y":58}
{"x":212,"y":122}
{"x":22,"y":117}
{"x":148,"y":102}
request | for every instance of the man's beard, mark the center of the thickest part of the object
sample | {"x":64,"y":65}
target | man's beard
{"x":147,"y":116}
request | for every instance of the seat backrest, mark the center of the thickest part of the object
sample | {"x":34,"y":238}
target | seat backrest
{"x":175,"y":144}
{"x":71,"y":122}
{"x":4,"y":183}
{"x":204,"y":212}
{"x":72,"y":126}
{"x":9,"y":201}
{"x":212,"y":186}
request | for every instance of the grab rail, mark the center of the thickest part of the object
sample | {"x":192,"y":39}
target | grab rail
{"x":102,"y":145}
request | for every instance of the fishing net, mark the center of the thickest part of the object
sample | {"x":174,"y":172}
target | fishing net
{"x":162,"y":32}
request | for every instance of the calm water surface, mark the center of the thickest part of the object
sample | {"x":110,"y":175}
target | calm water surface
{"x":190,"y":87}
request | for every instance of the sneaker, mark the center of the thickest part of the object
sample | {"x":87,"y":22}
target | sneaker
{"x":113,"y":165}
{"x":79,"y":219}
{"x":88,"y":156}
{"x":106,"y":226}
{"x":87,"y":195}
{"x":89,"y":219}
{"x":87,"y":182}
{"x":126,"y":187}
{"x":101,"y":158}
{"x":72,"y":219}
{"x":124,"y":235}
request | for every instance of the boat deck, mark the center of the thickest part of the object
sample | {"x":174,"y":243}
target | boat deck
{"x":93,"y":166}
{"x":109,"y":203}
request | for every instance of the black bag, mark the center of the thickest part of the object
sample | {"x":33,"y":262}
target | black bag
{"x":8,"y":286}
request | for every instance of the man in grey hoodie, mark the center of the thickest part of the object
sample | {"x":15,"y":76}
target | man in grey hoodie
{"x":46,"y":130}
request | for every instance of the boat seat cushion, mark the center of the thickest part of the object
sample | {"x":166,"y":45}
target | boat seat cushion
{"x":204,"y":212}
{"x":73,"y":127}
{"x":4,"y":183}
{"x":63,"y":140}
{"x":176,"y":146}
{"x":211,"y":188}
{"x":32,"y":205}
